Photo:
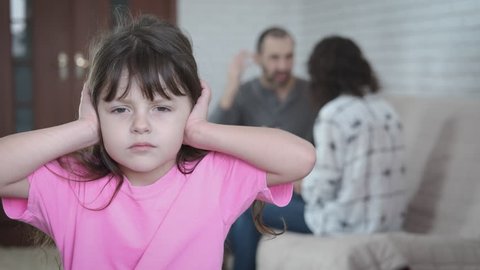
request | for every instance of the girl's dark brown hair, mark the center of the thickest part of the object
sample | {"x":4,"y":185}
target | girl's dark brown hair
{"x":337,"y":66}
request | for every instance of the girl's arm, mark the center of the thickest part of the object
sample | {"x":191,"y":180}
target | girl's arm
{"x":284,"y":156}
{"x":23,"y":153}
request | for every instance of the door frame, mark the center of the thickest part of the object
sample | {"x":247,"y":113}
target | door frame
{"x":6,"y":75}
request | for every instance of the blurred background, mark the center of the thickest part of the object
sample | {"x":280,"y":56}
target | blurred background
{"x":418,"y":47}
{"x":426,"y":47}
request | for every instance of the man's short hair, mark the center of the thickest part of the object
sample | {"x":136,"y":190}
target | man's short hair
{"x":275,"y":31}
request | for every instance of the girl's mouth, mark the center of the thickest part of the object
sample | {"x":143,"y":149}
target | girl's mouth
{"x":141,"y":146}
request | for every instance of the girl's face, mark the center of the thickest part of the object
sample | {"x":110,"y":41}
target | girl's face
{"x":141,"y":135}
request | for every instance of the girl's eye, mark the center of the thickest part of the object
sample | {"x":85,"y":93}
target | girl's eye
{"x":119,"y":110}
{"x":162,"y":109}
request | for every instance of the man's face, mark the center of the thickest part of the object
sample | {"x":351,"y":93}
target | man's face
{"x":276,"y":60}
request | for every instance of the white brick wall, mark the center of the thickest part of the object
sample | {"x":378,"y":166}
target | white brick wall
{"x":417,"y":46}
{"x":428,"y":47}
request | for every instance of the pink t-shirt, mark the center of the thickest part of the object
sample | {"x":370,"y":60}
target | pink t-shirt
{"x":178,"y":222}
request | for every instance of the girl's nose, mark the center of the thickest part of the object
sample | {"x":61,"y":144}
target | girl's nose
{"x":141,"y":124}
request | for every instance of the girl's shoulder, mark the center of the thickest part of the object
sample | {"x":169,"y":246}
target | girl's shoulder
{"x":63,"y":177}
{"x":66,"y":168}
{"x":221,"y":162}
{"x":216,"y":159}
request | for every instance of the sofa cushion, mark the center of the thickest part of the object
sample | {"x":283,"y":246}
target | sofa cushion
{"x":301,"y":251}
{"x":27,"y":258}
{"x":377,"y":251}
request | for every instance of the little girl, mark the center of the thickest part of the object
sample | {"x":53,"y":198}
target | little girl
{"x":141,"y":180}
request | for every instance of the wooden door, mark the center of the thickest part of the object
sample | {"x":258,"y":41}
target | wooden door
{"x":61,"y":32}
{"x":6,"y":93}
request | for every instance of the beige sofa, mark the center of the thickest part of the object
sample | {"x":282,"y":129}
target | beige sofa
{"x":442,"y":229}
{"x":28,"y":258}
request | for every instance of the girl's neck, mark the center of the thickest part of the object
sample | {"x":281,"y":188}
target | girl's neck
{"x":147,"y":178}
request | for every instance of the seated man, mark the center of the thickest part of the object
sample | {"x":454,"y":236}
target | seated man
{"x":275,"y":99}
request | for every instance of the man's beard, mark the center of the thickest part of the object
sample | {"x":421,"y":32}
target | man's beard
{"x":279,"y":83}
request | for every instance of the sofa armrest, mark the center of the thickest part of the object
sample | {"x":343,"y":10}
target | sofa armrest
{"x":40,"y":258}
{"x":429,"y":252}
{"x":300,"y":251}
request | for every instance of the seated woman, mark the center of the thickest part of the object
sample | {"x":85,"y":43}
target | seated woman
{"x":357,"y":184}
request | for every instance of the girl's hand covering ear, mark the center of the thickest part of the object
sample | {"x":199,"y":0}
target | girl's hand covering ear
{"x":198,"y":115}
{"x":86,"y":111}
{"x":200,"y":110}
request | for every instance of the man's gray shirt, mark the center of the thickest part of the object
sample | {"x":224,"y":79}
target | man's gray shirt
{"x":255,"y":105}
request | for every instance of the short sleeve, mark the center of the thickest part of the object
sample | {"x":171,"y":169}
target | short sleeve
{"x":279,"y":195}
{"x":42,"y":203}
{"x":242,"y":183}
{"x":16,"y":208}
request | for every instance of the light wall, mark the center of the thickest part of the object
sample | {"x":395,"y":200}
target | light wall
{"x":429,"y":47}
{"x":425,"y":47}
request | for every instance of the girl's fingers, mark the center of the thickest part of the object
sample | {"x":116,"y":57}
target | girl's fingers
{"x":206,"y":92}
{"x":86,"y":109}
{"x":200,"y":109}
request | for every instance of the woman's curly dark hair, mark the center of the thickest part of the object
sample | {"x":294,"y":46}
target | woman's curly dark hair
{"x":337,"y":66}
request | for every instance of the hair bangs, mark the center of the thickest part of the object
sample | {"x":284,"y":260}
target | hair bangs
{"x":112,"y":81}
{"x":153,"y":72}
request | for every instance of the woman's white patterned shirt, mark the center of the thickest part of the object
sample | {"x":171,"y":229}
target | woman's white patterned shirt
{"x":358,"y":184}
